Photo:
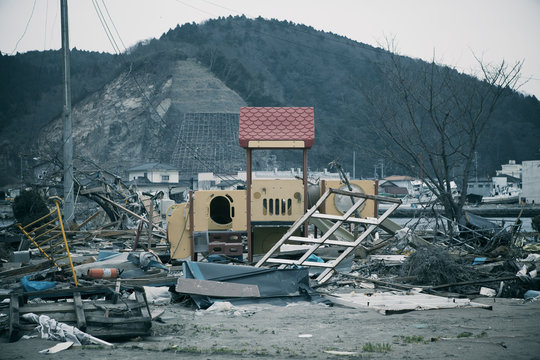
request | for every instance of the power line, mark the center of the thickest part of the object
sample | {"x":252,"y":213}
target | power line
{"x":123,"y":55}
{"x":45,"y":32}
{"x":25,"y":28}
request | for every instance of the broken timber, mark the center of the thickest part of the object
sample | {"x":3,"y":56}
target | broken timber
{"x":159,"y":228}
{"x":399,"y":302}
{"x":350,"y":246}
{"x":100,"y":318}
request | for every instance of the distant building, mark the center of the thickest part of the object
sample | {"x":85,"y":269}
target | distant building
{"x":510,"y":169}
{"x":208,"y":180}
{"x":501,"y":183}
{"x":531,"y":181}
{"x":154,"y":172}
{"x":391,"y":189}
{"x":407,"y":182}
{"x":155,"y":177}
{"x":481,"y":186}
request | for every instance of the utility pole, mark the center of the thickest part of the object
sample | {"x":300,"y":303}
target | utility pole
{"x":67,"y":130}
{"x":22,"y":178}
{"x":354,"y":164}
{"x":476,"y":165}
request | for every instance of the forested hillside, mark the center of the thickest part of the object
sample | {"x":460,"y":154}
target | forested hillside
{"x":268,"y":63}
{"x":31,"y":96}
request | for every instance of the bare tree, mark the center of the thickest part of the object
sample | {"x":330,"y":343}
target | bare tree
{"x":430,"y":119}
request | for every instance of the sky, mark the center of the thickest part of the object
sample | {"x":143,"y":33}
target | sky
{"x":452,"y":31}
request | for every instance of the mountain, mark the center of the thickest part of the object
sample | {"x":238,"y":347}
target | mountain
{"x":168,"y":99}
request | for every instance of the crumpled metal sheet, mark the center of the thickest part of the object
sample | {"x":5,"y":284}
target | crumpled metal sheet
{"x":272,"y":283}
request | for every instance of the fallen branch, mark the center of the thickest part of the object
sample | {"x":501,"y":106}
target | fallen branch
{"x":471,"y":282}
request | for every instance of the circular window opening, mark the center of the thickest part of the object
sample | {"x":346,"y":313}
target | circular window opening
{"x":343,"y":203}
{"x":220,"y":210}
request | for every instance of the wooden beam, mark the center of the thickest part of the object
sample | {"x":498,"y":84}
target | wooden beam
{"x":249,"y":180}
{"x":79,"y":311}
{"x":305,"y":180}
{"x":14,"y":318}
{"x":159,"y":228}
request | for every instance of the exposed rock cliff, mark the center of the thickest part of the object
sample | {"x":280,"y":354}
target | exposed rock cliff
{"x":135,"y":118}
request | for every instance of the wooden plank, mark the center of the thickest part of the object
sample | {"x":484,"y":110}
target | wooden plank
{"x":79,"y":311}
{"x":156,"y":314}
{"x":14,"y":318}
{"x":92,"y":319}
{"x":319,"y":241}
{"x":342,"y":218}
{"x":388,"y":303}
{"x":87,"y":306}
{"x":141,"y":298}
{"x":216,"y":288}
{"x":297,"y":262}
{"x":105,"y":333}
{"x":5,"y":275}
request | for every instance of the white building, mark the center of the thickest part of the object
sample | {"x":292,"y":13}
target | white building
{"x":530,"y":183}
{"x":155,"y":173}
{"x":481,"y":186}
{"x":208,"y":180}
{"x":510,"y":169}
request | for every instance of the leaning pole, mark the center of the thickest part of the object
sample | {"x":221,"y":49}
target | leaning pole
{"x":67,"y":130}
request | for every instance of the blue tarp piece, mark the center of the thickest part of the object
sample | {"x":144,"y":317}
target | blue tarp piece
{"x":314,"y":258}
{"x":479,"y":260}
{"x":30,"y":285}
{"x":531,"y":294}
{"x":272,"y":283}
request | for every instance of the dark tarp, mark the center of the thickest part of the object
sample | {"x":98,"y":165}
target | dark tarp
{"x":476,"y":222}
{"x":275,"y":285}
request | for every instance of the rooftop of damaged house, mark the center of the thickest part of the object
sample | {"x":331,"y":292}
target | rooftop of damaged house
{"x":275,"y":263}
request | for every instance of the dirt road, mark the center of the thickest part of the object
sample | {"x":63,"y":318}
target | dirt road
{"x":309,"y":331}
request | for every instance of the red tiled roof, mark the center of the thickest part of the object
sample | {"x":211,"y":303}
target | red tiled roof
{"x":275,"y":124}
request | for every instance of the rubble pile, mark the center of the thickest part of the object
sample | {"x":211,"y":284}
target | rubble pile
{"x":434,"y":266}
{"x":116,"y":270}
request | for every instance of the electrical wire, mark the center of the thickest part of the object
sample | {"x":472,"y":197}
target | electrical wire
{"x":25,"y":28}
{"x":123,"y":56}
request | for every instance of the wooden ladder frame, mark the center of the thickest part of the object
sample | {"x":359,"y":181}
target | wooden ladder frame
{"x":350,"y":246}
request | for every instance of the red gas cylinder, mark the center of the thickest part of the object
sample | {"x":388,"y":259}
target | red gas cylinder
{"x":102,"y":273}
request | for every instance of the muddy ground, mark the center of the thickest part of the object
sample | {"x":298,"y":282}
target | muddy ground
{"x":309,"y":331}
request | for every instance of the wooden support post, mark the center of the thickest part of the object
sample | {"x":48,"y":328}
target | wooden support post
{"x":151,"y":225}
{"x":376,"y":192}
{"x":79,"y":311}
{"x":14,"y":318}
{"x":248,"y":204}
{"x":305,"y":178}
{"x":141,"y":299}
{"x":192,"y":224}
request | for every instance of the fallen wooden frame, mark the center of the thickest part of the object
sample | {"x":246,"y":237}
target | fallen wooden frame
{"x":105,"y":319}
